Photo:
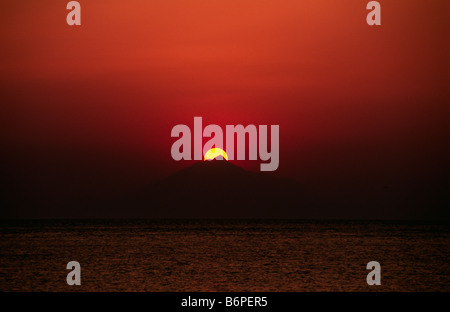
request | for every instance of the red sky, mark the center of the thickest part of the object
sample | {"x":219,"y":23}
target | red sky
{"x":353,"y":102}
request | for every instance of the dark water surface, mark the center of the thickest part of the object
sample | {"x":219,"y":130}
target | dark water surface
{"x":186,"y":255}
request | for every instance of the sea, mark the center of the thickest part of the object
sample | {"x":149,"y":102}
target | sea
{"x":224,"y":255}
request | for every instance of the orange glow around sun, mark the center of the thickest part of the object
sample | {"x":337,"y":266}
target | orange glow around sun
{"x":215,"y":152}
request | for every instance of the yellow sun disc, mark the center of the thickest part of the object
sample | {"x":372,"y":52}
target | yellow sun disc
{"x":215,"y":152}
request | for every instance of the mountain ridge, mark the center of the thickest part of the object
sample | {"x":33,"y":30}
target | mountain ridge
{"x":217,"y":189}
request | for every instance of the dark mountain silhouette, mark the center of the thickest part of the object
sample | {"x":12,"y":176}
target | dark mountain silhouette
{"x":216,"y":189}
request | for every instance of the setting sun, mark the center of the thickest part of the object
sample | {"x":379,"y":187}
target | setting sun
{"x":214,"y":153}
